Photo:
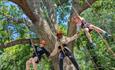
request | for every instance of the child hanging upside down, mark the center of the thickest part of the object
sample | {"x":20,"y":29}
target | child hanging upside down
{"x":37,"y":55}
{"x":61,"y":48}
{"x":87,"y":27}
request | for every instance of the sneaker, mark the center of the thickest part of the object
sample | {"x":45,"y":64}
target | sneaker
{"x":93,"y":45}
{"x":107,"y":36}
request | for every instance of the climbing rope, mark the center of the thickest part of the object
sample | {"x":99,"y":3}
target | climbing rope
{"x":33,"y":48}
{"x":107,"y":45}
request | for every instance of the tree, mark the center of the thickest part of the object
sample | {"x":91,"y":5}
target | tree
{"x":43,"y":28}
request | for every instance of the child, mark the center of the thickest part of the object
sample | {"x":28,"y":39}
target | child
{"x":37,"y":55}
{"x":61,"y":48}
{"x":87,"y":27}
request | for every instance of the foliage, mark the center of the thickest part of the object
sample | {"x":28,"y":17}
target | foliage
{"x":101,"y":14}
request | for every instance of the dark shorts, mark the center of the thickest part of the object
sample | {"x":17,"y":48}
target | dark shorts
{"x":90,"y":29}
{"x":38,"y":58}
{"x":87,"y":25}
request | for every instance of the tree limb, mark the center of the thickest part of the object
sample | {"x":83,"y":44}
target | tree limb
{"x":16,"y":42}
{"x":86,"y":5}
{"x":23,"y":4}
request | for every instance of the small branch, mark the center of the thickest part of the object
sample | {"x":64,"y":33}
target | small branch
{"x":86,"y":5}
{"x":16,"y":42}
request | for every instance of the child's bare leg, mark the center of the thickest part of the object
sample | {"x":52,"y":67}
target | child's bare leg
{"x":28,"y":62}
{"x":104,"y":33}
{"x":34,"y":63}
{"x":97,"y":29}
{"x":86,"y":30}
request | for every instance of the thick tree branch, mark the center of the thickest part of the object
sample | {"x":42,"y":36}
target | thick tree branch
{"x":86,"y":5}
{"x":23,"y":4}
{"x":16,"y":42}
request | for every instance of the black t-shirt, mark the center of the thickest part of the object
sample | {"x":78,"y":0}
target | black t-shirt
{"x":39,"y":51}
